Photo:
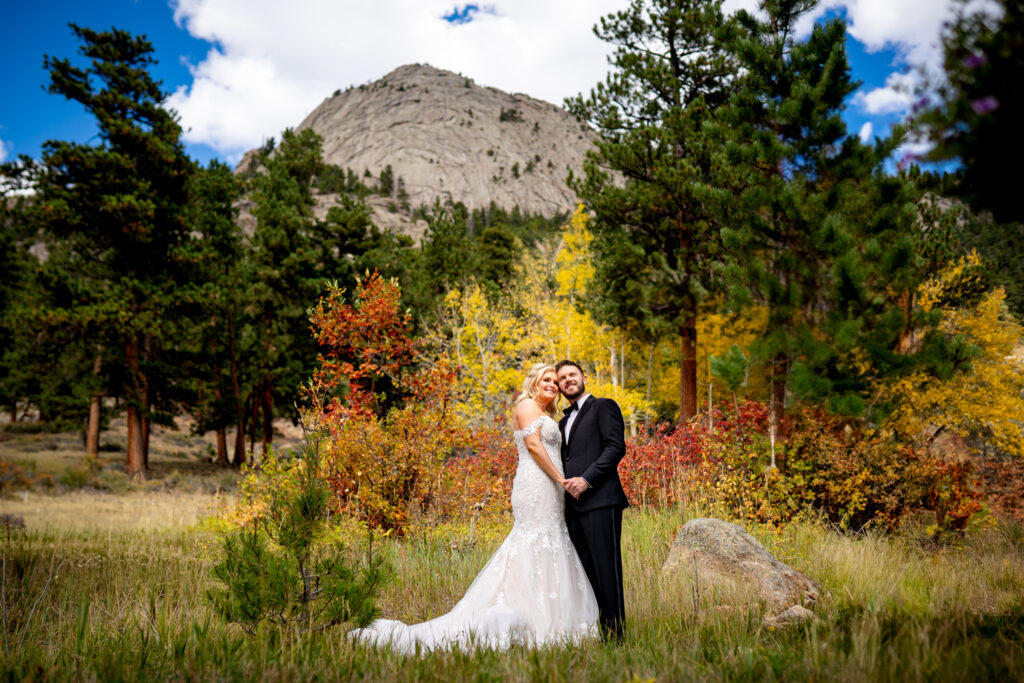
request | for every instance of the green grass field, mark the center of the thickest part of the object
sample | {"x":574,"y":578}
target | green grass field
{"x":111,"y":586}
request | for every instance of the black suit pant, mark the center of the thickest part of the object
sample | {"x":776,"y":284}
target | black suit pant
{"x":597,"y":535}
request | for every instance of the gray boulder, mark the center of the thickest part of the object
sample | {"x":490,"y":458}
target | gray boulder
{"x":793,"y":615}
{"x":722,"y":561}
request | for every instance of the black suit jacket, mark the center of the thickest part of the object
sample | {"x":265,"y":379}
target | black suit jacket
{"x":596,"y":445}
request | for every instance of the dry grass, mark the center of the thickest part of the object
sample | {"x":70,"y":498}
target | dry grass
{"x":86,"y":511}
{"x":120,"y":582}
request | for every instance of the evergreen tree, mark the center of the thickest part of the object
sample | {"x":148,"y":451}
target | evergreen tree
{"x":448,"y":255}
{"x":220,"y":376}
{"x":498,"y":257}
{"x":112,"y":215}
{"x":1002,"y":246}
{"x":15,"y":273}
{"x":287,"y":568}
{"x":815,"y":231}
{"x":286,"y":278}
{"x":650,"y":181}
{"x":41,"y":362}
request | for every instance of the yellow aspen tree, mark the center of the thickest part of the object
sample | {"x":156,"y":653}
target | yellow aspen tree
{"x":986,"y":399}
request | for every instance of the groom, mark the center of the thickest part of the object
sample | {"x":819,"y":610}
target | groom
{"x":593,"y":443}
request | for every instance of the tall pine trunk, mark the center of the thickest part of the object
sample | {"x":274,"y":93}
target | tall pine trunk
{"x":267,"y":395}
{"x":92,"y":430}
{"x":688,"y":333}
{"x":688,"y":365}
{"x":236,"y":392}
{"x":147,"y":399}
{"x":268,"y":414}
{"x":239,"y":458}
{"x":222,"y":447}
{"x":222,"y":438}
{"x":136,"y":464}
{"x":255,"y":421}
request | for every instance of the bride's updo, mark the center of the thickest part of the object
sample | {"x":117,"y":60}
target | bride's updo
{"x":530,"y":382}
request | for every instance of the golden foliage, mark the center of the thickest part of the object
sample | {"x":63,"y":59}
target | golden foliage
{"x":988,"y":398}
{"x":494,"y":339}
{"x":956,"y":276}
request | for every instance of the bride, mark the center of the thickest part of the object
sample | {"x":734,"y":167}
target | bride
{"x":533,"y":590}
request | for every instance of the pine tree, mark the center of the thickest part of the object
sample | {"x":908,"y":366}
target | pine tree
{"x":283,"y":568}
{"x":816,"y":232}
{"x":16,"y":276}
{"x":286,"y":278}
{"x":112,"y":214}
{"x":216,"y":362}
{"x":649,"y":180}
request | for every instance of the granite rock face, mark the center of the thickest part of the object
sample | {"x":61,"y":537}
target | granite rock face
{"x":446,"y":137}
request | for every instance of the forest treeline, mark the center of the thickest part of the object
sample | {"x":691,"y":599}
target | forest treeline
{"x":734,"y":238}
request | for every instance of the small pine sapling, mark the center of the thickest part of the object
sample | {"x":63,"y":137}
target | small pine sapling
{"x":286,"y":567}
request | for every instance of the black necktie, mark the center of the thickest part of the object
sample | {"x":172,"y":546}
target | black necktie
{"x":572,"y":407}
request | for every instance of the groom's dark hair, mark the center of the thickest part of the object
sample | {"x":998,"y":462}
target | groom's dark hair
{"x":563,"y":363}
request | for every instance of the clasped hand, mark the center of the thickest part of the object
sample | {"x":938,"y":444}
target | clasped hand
{"x":575,"y":486}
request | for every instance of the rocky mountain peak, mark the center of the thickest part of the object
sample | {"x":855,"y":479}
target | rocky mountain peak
{"x":445,"y":136}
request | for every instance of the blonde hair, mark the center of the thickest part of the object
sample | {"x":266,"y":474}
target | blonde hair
{"x":530,"y":382}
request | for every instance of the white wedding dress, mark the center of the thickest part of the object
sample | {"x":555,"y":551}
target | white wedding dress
{"x":532,"y":591}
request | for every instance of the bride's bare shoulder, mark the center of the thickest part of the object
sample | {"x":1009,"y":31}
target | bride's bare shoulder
{"x":526,"y":412}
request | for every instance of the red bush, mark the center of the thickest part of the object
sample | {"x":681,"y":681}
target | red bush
{"x":659,"y":465}
{"x":826,"y":466}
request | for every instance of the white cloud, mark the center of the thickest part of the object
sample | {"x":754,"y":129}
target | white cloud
{"x":894,"y":97}
{"x":866,"y":132}
{"x":272,"y":66}
{"x":910,"y":26}
{"x":3,"y":151}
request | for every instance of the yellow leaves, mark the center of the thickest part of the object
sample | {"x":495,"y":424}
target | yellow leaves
{"x":957,"y":275}
{"x":489,"y":342}
{"x":494,"y":339}
{"x":574,"y":270}
{"x":988,"y":399}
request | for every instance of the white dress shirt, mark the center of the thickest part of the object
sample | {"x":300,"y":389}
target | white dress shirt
{"x":572,"y":416}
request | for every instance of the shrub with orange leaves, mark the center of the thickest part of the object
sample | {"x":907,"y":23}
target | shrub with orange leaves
{"x":385,"y":470}
{"x":395,"y":451}
{"x":370,"y":350}
{"x":858,"y":479}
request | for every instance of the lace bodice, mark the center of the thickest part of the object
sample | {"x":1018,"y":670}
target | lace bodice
{"x":536,"y":499}
{"x":550,"y":437}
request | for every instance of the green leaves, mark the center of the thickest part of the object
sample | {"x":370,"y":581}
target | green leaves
{"x":284,"y":569}
{"x":731,"y":368}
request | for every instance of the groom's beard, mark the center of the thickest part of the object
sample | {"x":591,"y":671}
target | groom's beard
{"x":582,"y":389}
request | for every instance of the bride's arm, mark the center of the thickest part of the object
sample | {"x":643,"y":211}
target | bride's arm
{"x":526,"y":413}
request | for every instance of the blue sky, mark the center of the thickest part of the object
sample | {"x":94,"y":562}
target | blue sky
{"x":236,"y":84}
{"x":28,"y":114}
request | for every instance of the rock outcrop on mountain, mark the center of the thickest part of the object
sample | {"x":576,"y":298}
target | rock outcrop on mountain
{"x":444,"y":136}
